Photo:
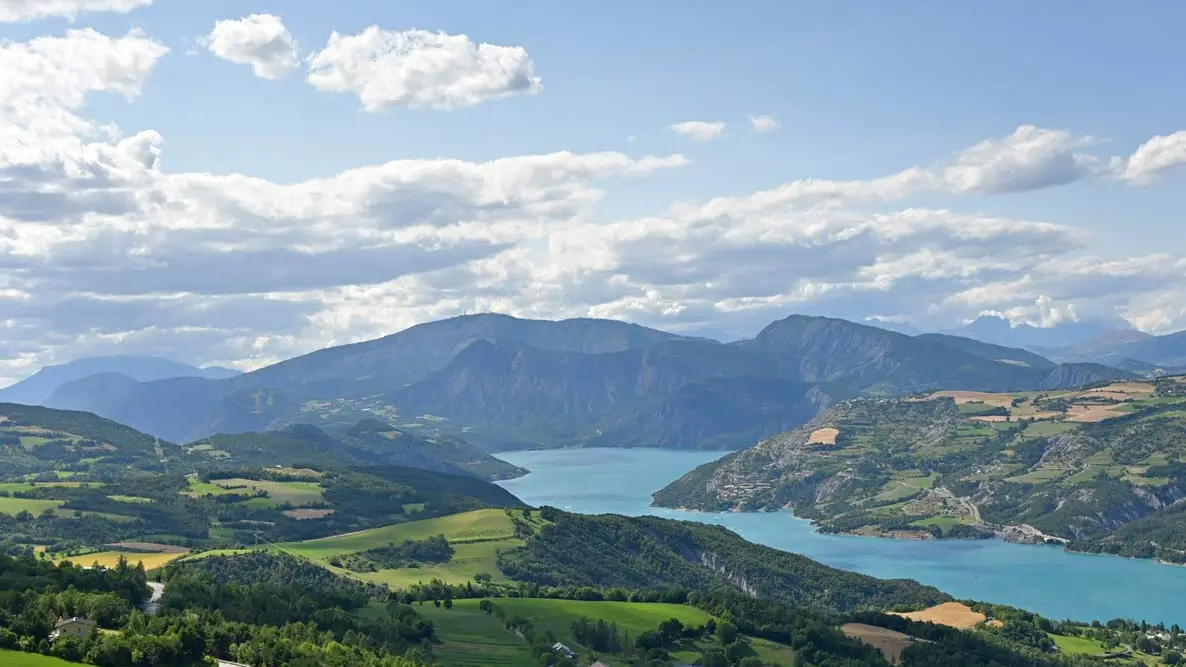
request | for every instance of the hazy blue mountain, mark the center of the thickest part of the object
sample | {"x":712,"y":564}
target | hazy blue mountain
{"x":990,"y":351}
{"x":1114,"y":348}
{"x":1000,"y":331}
{"x":411,"y":354}
{"x":504,"y":382}
{"x":852,"y":359}
{"x":682,"y":393}
{"x":37,"y":388}
{"x":897,"y":327}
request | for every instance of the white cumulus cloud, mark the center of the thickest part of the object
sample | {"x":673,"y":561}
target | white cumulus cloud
{"x":699,"y":130}
{"x":763,"y":123}
{"x":1029,"y":159}
{"x":14,"y":11}
{"x":420,"y":69}
{"x":1152,"y":158}
{"x":258,"y":40}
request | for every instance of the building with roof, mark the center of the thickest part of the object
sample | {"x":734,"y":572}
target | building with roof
{"x":76,"y":626}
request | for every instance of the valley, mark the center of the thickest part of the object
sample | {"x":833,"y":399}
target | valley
{"x":397,"y":531}
{"x":437,"y":567}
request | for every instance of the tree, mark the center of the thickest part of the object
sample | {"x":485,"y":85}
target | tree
{"x":671,"y":629}
{"x":1146,"y":645}
{"x":649,"y":639}
{"x":1172,"y":658}
{"x":726,"y":632}
{"x":714,"y":658}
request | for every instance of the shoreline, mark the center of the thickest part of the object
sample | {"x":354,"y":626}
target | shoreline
{"x":871,"y":531}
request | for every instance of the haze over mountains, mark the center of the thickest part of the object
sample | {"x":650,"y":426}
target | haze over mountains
{"x":37,"y":388}
{"x":503,"y":382}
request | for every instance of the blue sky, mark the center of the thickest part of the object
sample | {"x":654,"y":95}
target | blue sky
{"x":860,"y":91}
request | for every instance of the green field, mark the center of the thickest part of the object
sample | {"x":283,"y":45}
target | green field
{"x":944,"y":522}
{"x":476,"y":537}
{"x":18,"y":659}
{"x":10,"y":487}
{"x":17,"y":505}
{"x":473,"y":639}
{"x":295,"y":493}
{"x":1078,"y":645}
{"x":1086,"y":646}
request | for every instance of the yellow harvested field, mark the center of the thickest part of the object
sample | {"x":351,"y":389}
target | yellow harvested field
{"x":1093,"y":413}
{"x":152,"y":547}
{"x":1122,"y":390}
{"x":891,"y":643}
{"x":303,"y":514}
{"x":111,"y":559}
{"x":989,"y":418}
{"x":961,"y":397}
{"x":952,"y":614}
{"x":823,"y":436}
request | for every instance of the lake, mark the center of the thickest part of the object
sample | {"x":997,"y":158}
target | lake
{"x":1044,"y":579}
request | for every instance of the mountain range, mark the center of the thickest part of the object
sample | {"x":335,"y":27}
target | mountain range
{"x":1129,"y":348}
{"x":37,"y":388}
{"x":503,"y":382}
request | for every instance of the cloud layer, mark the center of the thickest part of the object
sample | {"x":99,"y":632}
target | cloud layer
{"x":13,"y":11}
{"x":102,"y":250}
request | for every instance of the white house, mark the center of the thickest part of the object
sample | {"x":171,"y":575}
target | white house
{"x":72,"y":627}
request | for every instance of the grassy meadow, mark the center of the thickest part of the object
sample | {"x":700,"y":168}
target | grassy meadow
{"x":18,"y":659}
{"x":295,"y":493}
{"x":476,"y":537}
{"x":472,"y":638}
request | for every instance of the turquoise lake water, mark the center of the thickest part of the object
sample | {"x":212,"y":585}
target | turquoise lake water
{"x":1044,"y":579}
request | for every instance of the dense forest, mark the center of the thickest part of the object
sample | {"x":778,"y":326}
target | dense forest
{"x":269,"y":613}
{"x":649,"y":552}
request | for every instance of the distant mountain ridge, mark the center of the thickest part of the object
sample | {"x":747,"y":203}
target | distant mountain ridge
{"x":37,"y":388}
{"x":36,"y":439}
{"x":1115,"y":348}
{"x":504,"y":382}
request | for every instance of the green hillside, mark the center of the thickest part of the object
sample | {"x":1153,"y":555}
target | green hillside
{"x":653,"y":553}
{"x":42,"y":441}
{"x":368,"y":442}
{"x":477,"y":538}
{"x":1084,"y":465}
